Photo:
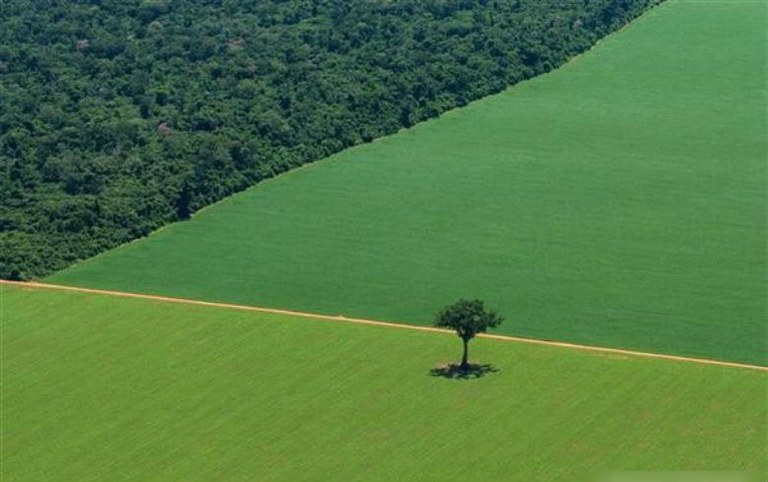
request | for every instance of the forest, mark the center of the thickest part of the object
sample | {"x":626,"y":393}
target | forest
{"x":120,"y":116}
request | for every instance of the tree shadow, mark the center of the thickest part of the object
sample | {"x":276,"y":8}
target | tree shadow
{"x":454,"y":371}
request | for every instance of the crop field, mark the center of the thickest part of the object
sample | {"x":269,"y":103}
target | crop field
{"x":618,"y":201}
{"x":96,"y":387}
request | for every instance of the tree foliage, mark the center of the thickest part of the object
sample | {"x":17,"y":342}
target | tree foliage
{"x":118,"y":116}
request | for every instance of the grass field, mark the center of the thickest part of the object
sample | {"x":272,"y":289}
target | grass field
{"x":102,"y":388}
{"x":619,"y":201}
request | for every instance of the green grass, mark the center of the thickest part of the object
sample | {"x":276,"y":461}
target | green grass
{"x":102,"y":388}
{"x":620,"y":200}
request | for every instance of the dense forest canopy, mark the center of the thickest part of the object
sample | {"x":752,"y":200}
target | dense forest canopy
{"x":119,"y":116}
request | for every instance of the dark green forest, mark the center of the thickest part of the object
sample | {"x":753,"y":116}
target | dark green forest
{"x":119,"y":116}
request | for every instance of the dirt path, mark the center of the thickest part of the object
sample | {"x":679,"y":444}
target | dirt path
{"x":614,"y":351}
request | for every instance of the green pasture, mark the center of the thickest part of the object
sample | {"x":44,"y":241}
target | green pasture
{"x":620,"y":200}
{"x":102,"y":388}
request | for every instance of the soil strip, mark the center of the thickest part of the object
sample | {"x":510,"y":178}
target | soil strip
{"x":573,"y":346}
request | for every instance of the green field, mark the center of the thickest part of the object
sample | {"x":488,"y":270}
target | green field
{"x":102,"y":388}
{"x":620,"y":201}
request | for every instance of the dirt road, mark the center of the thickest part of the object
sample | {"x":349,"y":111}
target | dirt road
{"x":573,"y":346}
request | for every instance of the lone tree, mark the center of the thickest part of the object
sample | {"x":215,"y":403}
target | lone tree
{"x":468,"y":318}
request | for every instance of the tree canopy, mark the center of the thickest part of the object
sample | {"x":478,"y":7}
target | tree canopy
{"x":118,"y":116}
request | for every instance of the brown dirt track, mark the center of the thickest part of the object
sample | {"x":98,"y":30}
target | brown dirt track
{"x":598,"y":349}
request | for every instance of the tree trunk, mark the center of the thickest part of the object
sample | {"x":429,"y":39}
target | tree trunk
{"x":465,"y":356}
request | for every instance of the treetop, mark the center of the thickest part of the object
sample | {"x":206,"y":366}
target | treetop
{"x":468,"y":318}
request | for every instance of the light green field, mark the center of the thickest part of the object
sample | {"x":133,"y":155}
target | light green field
{"x":620,"y":201}
{"x":103,"y":388}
